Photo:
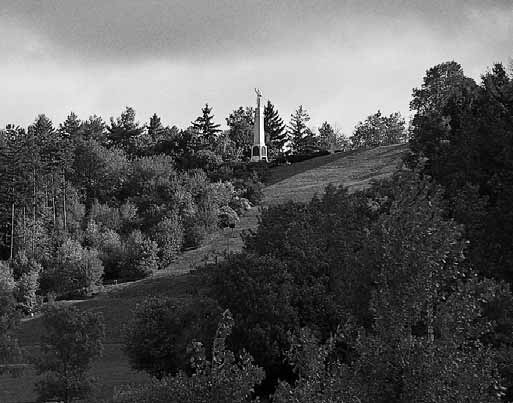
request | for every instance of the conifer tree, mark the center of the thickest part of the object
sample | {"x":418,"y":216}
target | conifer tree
{"x":298,"y":129}
{"x":93,"y":128}
{"x":274,"y":130}
{"x":155,"y":128}
{"x":124,"y":131}
{"x":70,"y":128}
{"x":205,"y":126}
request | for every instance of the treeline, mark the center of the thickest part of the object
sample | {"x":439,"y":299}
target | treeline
{"x":88,"y":202}
{"x":397,"y":293}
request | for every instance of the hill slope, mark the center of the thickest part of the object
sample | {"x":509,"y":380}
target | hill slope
{"x":297,"y":182}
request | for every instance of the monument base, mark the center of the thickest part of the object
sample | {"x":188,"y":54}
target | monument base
{"x":259,"y":153}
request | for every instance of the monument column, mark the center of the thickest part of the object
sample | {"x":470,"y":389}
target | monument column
{"x":259,"y":149}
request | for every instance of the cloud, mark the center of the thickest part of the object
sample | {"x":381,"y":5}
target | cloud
{"x":341,"y":59}
{"x":199,"y":29}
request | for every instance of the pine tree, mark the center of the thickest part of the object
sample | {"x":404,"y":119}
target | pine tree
{"x":297,"y":129}
{"x":94,"y":128}
{"x":70,"y":128}
{"x":155,"y":128}
{"x":205,"y":126}
{"x":124,"y":131}
{"x":274,"y":129}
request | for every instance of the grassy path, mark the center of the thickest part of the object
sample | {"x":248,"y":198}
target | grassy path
{"x":297,"y":182}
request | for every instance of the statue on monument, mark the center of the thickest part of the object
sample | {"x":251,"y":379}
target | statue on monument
{"x":259,"y":95}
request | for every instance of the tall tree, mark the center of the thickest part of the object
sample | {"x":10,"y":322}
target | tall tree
{"x":94,"y":128}
{"x":274,"y":130}
{"x":70,"y":128}
{"x":206,"y":127}
{"x":298,"y":129}
{"x":124,"y":131}
{"x":240,"y":124}
{"x":155,"y":128}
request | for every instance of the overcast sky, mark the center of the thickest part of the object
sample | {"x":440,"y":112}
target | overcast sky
{"x":342,"y":60}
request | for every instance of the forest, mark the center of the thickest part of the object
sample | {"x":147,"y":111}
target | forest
{"x":399,"y":292}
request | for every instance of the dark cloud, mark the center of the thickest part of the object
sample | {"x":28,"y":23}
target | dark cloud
{"x":121,"y":29}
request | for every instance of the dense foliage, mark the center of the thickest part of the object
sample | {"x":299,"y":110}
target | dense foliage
{"x":223,"y":378}
{"x":71,"y":341}
{"x":365,"y":261}
{"x":379,"y":130}
{"x":90,"y":202}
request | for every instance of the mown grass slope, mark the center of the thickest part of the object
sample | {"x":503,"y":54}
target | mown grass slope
{"x":297,"y":182}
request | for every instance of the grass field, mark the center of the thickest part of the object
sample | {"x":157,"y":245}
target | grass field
{"x":297,"y":182}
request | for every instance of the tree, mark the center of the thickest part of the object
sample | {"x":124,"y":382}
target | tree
{"x":275,"y":130}
{"x":223,"y":378}
{"x":379,"y":130}
{"x":205,"y":126}
{"x":298,"y":129}
{"x":331,"y":138}
{"x":125,"y":131}
{"x":155,"y":129}
{"x":75,"y":270}
{"x":72,"y":340}
{"x":162,"y":329}
{"x":94,"y":129}
{"x":240,"y":124}
{"x":70,"y":128}
{"x":9,"y":350}
{"x":140,"y":257}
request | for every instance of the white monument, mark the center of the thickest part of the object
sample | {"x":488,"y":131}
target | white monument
{"x":259,"y":149}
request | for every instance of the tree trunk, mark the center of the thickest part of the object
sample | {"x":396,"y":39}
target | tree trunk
{"x":12,"y":231}
{"x":54,"y":210}
{"x":64,"y":217}
{"x":24,"y":226}
{"x":33,"y":210}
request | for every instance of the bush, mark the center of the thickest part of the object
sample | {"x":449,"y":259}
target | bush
{"x":25,"y":291}
{"x":9,"y":350}
{"x":140,"y":257}
{"x":157,"y":338}
{"x":169,"y":234}
{"x":222,"y":379}
{"x":251,"y":189}
{"x":111,"y":253}
{"x":76,"y":271}
{"x":71,"y":341}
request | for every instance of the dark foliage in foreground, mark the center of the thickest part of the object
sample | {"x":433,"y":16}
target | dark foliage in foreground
{"x":72,"y":340}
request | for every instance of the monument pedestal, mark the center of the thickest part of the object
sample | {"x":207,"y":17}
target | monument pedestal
{"x":259,"y":153}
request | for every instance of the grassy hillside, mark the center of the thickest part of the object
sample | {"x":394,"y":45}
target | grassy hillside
{"x":296,"y":182}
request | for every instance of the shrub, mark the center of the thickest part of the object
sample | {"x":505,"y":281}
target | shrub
{"x":111,"y":253}
{"x":76,"y":271}
{"x":195,"y":233}
{"x":72,"y":340}
{"x":222,"y":379}
{"x":168,"y":234}
{"x":251,"y":189}
{"x":26,"y":289}
{"x":156,"y":340}
{"x":9,"y":349}
{"x":140,"y":257}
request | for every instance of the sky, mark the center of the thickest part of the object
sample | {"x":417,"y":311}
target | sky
{"x":341,"y":59}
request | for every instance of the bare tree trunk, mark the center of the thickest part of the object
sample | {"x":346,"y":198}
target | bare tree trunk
{"x":12,"y":231}
{"x":54,"y":210}
{"x":33,"y":210}
{"x":64,"y":217}
{"x":24,"y":226}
